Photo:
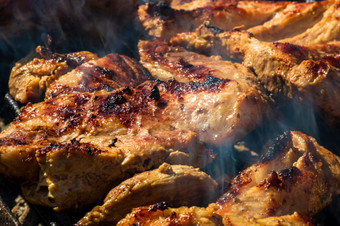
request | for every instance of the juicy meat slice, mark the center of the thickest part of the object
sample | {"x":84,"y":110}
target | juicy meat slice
{"x":160,"y":20}
{"x":161,"y":214}
{"x":286,"y":70}
{"x":294,"y":174}
{"x":175,"y":184}
{"x":28,"y":81}
{"x":107,"y":73}
{"x":166,"y":62}
{"x":76,"y":174}
{"x":294,"y":219}
{"x":325,"y":31}
{"x":149,"y":122}
{"x":293,"y":20}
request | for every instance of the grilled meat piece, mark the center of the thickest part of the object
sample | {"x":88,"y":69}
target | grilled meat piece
{"x":161,"y":214}
{"x":291,"y":21}
{"x":28,"y":81}
{"x":294,"y":174}
{"x":74,"y":175}
{"x":107,"y":73}
{"x":177,"y":185}
{"x":64,"y":146}
{"x":325,"y":31}
{"x":287,"y":220}
{"x":166,"y":62}
{"x":160,"y":20}
{"x":284,"y":69}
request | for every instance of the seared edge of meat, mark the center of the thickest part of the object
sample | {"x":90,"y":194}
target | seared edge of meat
{"x":107,"y":73}
{"x":77,"y":174}
{"x":291,"y":21}
{"x":28,"y":81}
{"x":325,"y":31}
{"x":160,"y":20}
{"x":175,"y":184}
{"x":166,"y":62}
{"x":295,"y":174}
{"x":161,"y":214}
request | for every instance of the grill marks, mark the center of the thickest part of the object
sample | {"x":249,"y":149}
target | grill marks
{"x":74,"y":145}
{"x":107,"y":73}
{"x":84,"y":110}
{"x":158,"y":50}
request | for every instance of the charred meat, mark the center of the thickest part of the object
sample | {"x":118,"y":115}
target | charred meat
{"x":42,"y":149}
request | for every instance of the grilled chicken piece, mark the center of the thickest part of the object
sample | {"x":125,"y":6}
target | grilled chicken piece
{"x":160,"y":20}
{"x":76,"y":175}
{"x":286,"y":70}
{"x":109,"y":73}
{"x":177,"y":185}
{"x":65,"y":148}
{"x":28,"y":81}
{"x":161,"y":214}
{"x":293,"y":20}
{"x":325,"y":31}
{"x":295,"y":174}
{"x":286,"y":220}
{"x":166,"y":62}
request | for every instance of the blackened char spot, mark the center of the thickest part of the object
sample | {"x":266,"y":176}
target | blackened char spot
{"x":289,"y":177}
{"x":162,"y":104}
{"x":155,"y":93}
{"x":211,"y":84}
{"x":161,"y":9}
{"x":113,"y":143}
{"x":213,"y":29}
{"x":276,"y":148}
{"x":105,"y":71}
{"x":81,"y":99}
{"x":127,"y":90}
{"x":158,"y":206}
{"x":112,"y":101}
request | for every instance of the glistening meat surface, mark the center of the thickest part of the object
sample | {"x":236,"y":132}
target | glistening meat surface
{"x":59,"y":149}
